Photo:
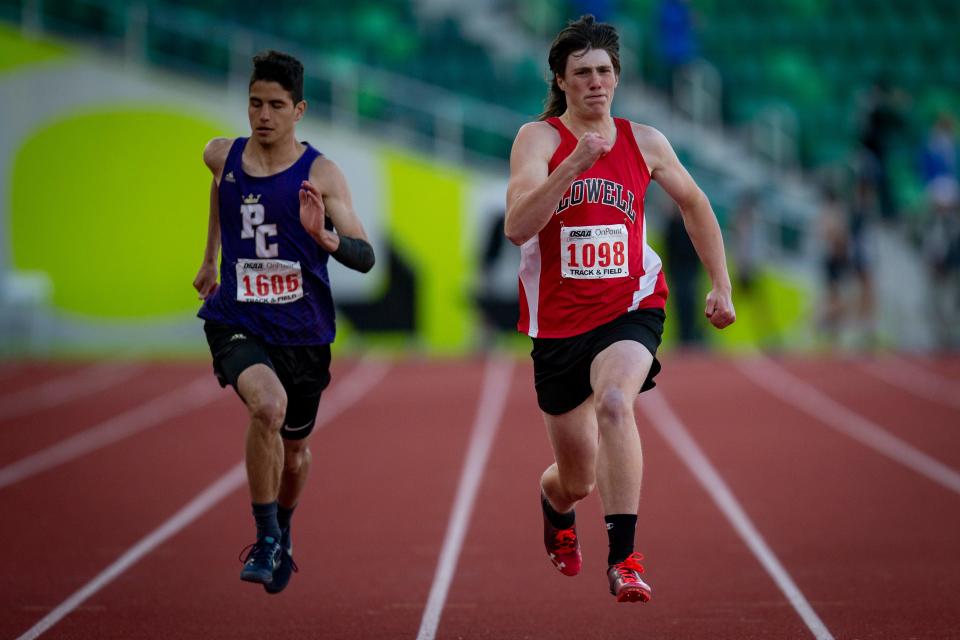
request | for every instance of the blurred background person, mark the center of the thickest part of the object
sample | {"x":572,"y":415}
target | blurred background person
{"x":940,"y":154}
{"x":862,"y":213}
{"x":683,"y":269}
{"x":834,"y":238}
{"x":939,"y":170}
{"x":602,"y":10}
{"x":676,"y":40}
{"x":882,"y":124}
{"x":941,"y":247}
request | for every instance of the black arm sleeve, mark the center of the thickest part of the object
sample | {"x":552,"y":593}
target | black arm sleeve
{"x":355,"y":253}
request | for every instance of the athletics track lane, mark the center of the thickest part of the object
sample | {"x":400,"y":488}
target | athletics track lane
{"x":931,"y":426}
{"x":366,"y":535}
{"x":31,"y":432}
{"x":706,"y":583}
{"x":872,"y":544}
{"x":76,"y":518}
{"x":944,"y":365}
{"x":16,"y":376}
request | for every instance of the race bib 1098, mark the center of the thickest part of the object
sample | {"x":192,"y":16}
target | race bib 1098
{"x":269,"y":281}
{"x":594,"y":252}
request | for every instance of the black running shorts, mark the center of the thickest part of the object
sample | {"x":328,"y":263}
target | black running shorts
{"x":304,"y":371}
{"x":561,"y":366}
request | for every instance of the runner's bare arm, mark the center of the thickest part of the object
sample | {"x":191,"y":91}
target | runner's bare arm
{"x":698,"y":219}
{"x":327,"y":194}
{"x":214,"y":156}
{"x":206,"y":281}
{"x":533,"y":192}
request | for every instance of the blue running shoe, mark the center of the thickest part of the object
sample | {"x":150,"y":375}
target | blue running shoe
{"x":262,"y":561}
{"x":287,"y":567}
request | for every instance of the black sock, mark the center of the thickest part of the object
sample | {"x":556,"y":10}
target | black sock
{"x":284,"y":515}
{"x":266,"y":517}
{"x":621,"y":528}
{"x":557,"y":519}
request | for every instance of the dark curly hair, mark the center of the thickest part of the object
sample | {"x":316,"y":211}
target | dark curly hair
{"x":583,"y":35}
{"x":282,"y":68}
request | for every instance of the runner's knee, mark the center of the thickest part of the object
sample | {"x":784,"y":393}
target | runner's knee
{"x":268,"y":412}
{"x":613,"y":408}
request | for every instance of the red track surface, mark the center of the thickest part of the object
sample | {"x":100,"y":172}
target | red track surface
{"x":872,"y":545}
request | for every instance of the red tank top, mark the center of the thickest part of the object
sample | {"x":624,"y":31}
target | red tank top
{"x":591,"y":263}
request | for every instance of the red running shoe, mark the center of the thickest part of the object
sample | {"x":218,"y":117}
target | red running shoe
{"x":625,"y":582}
{"x":563,"y":547}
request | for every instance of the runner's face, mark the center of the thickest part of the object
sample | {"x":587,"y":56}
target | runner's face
{"x":272,"y":112}
{"x":589,"y":82}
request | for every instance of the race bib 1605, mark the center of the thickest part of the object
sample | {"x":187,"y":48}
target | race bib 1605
{"x":270,"y":281}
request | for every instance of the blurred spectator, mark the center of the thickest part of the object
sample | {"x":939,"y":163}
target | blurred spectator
{"x":747,"y":254}
{"x":940,"y":171}
{"x":834,"y":235}
{"x":677,"y":39}
{"x":602,"y":10}
{"x":941,"y":246}
{"x":747,"y":241}
{"x":845,"y":232}
{"x":882,"y":122}
{"x":939,"y":156}
{"x":863,"y":210}
{"x":939,"y":160}
{"x":683,"y":267}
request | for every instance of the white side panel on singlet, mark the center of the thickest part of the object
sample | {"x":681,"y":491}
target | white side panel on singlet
{"x":530,"y":279}
{"x":651,"y":270}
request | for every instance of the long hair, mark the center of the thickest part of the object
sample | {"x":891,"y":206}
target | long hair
{"x":583,"y":35}
{"x":282,"y":68}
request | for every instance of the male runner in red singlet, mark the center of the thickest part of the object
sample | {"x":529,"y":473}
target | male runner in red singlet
{"x":591,"y":290}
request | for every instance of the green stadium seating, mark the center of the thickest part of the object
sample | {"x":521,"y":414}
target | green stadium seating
{"x":815,"y":55}
{"x":819,"y":56}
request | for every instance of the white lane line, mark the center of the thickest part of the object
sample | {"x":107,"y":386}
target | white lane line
{"x":493,"y":399}
{"x":77,"y":384}
{"x":792,"y":390}
{"x":182,"y":400}
{"x":351,"y":388}
{"x":213,"y":494}
{"x":665,"y":421}
{"x":918,"y":381}
{"x":358,"y":382}
{"x":190,"y":397}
